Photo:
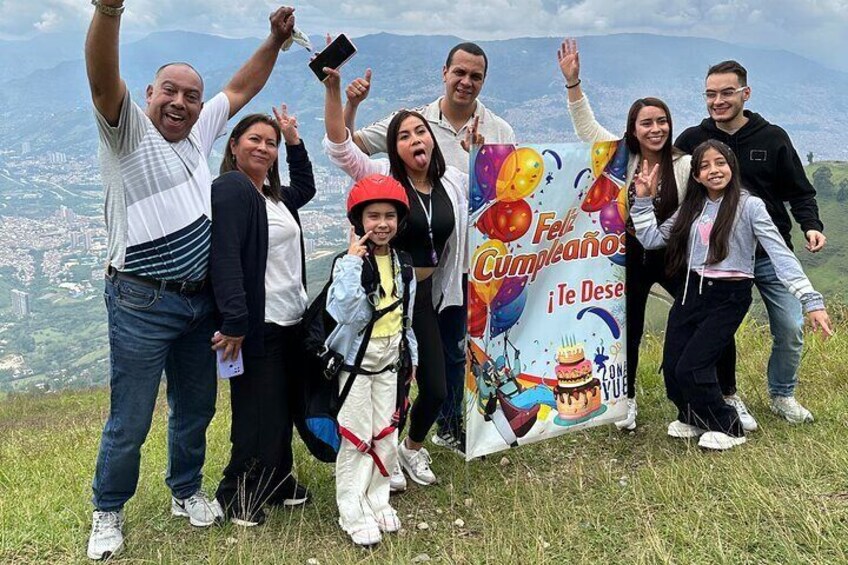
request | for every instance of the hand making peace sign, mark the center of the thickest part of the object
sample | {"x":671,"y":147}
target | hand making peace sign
{"x":357,"y":244}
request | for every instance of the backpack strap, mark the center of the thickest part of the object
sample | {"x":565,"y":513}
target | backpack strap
{"x":355,"y":368}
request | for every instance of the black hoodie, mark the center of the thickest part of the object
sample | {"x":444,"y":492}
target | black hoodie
{"x":771,"y":169}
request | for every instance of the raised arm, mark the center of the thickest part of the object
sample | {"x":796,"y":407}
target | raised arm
{"x":340,"y":148}
{"x":101,"y":60}
{"x":583,"y":119}
{"x":301,"y":187}
{"x":252,"y":76}
{"x":357,"y":91}
{"x":569,"y":64}
{"x":333,"y":114}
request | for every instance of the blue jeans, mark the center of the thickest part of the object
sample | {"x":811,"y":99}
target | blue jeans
{"x":786,"y":322}
{"x":151,"y":330}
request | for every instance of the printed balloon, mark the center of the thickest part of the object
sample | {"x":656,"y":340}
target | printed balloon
{"x":477,"y":313}
{"x":506,"y":316}
{"x":617,"y":168}
{"x":520,"y":174}
{"x":602,"y":192}
{"x":506,"y":221}
{"x":487,"y":290}
{"x":619,"y":259}
{"x":610,"y":218}
{"x":623,"y":209}
{"x":602,"y":153}
{"x":510,"y":290}
{"x":487,"y":165}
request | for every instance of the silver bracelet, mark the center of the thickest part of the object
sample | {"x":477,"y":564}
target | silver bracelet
{"x":108,"y":10}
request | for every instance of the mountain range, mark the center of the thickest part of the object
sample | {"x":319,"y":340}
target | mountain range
{"x":44,"y":96}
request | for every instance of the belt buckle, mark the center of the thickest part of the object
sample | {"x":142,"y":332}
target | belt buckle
{"x":188,"y":287}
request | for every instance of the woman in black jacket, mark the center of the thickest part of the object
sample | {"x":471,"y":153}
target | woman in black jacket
{"x":258,"y":272}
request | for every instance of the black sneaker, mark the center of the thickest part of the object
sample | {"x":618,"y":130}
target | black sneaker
{"x":290,"y":494}
{"x":450,"y":440}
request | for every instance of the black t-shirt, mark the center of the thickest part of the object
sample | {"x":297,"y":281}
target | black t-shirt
{"x":415,"y":238}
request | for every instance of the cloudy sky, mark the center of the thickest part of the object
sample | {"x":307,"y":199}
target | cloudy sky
{"x":814,"y":28}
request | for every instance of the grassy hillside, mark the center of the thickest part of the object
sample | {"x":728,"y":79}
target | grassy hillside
{"x":591,"y":497}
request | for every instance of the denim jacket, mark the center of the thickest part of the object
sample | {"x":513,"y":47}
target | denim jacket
{"x":349,"y":306}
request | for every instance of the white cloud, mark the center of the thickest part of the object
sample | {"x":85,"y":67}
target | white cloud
{"x":815,"y":28}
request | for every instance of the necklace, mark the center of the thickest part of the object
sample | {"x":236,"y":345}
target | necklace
{"x":428,"y":213}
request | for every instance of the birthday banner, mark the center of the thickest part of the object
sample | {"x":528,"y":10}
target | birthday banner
{"x":546,"y":306}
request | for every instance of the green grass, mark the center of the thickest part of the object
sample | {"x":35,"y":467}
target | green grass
{"x":589,"y":497}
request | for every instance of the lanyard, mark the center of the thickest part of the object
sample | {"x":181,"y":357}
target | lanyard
{"x":428,"y":213}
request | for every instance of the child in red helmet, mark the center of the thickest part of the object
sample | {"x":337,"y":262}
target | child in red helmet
{"x":369,"y":296}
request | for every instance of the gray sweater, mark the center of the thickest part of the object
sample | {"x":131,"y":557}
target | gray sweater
{"x":753,"y":225}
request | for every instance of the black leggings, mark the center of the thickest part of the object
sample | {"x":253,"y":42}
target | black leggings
{"x":644,"y":268}
{"x":430,"y":375}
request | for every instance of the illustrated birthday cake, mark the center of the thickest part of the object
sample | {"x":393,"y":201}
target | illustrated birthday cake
{"x":578,"y":393}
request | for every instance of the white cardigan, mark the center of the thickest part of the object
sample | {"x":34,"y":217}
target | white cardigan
{"x":447,"y":279}
{"x":588,"y":129}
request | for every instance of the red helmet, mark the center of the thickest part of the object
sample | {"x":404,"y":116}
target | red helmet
{"x":376,"y":188}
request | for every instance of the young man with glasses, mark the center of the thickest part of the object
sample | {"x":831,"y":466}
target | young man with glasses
{"x":772,"y":170}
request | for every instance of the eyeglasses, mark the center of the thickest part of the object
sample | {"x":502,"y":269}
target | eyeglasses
{"x":726,"y":93}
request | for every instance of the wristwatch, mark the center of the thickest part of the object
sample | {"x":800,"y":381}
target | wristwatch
{"x":113,"y":11}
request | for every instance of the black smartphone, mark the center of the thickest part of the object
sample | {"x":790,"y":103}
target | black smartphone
{"x":333,"y":56}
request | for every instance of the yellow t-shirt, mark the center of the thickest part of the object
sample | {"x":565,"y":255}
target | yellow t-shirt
{"x":391,"y":323}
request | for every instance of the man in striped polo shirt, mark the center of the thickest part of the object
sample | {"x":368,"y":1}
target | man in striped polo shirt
{"x":160,"y":309}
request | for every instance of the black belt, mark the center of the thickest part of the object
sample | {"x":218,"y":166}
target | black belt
{"x":185,"y":287}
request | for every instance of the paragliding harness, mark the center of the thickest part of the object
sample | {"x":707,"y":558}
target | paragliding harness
{"x":322,"y":399}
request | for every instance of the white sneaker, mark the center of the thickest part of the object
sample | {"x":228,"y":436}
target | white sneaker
{"x":790,"y":409}
{"x":629,"y":422}
{"x":397,"y":482}
{"x":200,"y":510}
{"x":719,"y":441}
{"x":107,"y":536}
{"x":366,"y":536}
{"x":749,"y":424}
{"x":683,"y":430}
{"x":416,"y":463}
{"x":388,"y":521}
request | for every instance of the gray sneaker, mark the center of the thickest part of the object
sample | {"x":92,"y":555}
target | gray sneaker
{"x":749,"y":424}
{"x":107,"y":536}
{"x":200,"y":510}
{"x":790,"y":409}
